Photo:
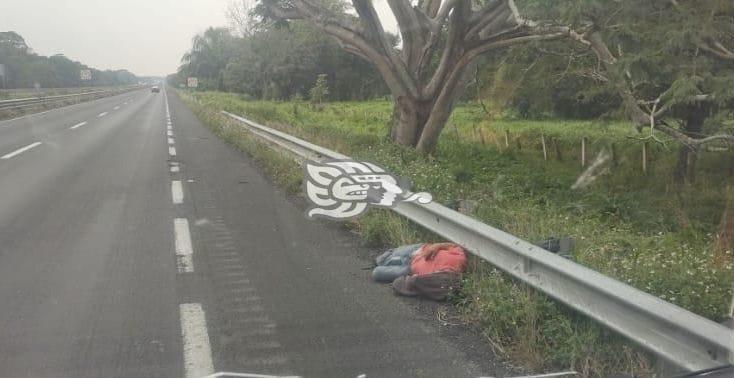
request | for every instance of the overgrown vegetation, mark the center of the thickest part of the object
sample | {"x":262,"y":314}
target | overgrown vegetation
{"x":638,"y":228}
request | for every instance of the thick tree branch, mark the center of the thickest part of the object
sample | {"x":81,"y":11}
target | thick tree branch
{"x":716,"y":48}
{"x":413,"y":29}
{"x":711,"y":45}
{"x":485,"y":46}
{"x":453,"y":49}
{"x":494,"y":14}
{"x":608,"y":60}
{"x":442,"y":14}
{"x":347,"y":33}
{"x":640,"y":117}
{"x":373,"y":28}
{"x":693,"y":143}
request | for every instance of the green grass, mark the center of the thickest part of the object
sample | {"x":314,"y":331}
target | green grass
{"x":629,"y":225}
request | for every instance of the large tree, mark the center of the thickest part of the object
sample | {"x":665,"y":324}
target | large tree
{"x":670,"y":61}
{"x":210,"y":52}
{"x":440,"y":41}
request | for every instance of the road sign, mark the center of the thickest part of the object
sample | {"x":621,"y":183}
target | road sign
{"x":192,"y":82}
{"x":85,"y":75}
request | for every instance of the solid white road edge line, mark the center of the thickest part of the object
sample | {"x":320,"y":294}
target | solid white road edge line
{"x":196,"y":347}
{"x":20,"y":150}
{"x":177,"y":192}
{"x":184,"y":250}
{"x":80,"y":124}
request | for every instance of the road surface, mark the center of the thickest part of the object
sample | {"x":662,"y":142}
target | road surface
{"x":134,"y":243}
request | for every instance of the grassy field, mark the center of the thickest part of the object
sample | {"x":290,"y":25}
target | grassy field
{"x":632,"y":226}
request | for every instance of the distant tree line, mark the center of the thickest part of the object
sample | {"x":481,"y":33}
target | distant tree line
{"x":276,"y":61}
{"x":24,"y":69}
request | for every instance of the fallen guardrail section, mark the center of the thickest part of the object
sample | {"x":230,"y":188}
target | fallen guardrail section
{"x":680,"y":337}
{"x":19,"y":103}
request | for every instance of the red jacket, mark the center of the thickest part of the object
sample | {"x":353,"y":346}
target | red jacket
{"x":450,"y":259}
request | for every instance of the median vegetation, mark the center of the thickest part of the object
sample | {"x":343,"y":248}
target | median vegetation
{"x":634,"y":225}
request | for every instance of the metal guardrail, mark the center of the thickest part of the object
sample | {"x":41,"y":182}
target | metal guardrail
{"x":30,"y":101}
{"x":682,"y":338}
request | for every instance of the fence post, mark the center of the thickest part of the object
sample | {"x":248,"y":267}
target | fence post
{"x":644,"y":157}
{"x":583,"y":152}
{"x":545,"y":150}
{"x":507,"y":138}
{"x":481,"y":135}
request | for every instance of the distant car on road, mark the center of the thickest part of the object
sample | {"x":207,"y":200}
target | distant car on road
{"x":155,"y":89}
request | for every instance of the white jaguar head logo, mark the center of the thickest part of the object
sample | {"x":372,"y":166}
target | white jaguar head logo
{"x":343,"y":188}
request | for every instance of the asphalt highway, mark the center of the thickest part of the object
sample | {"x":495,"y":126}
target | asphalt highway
{"x":134,"y":243}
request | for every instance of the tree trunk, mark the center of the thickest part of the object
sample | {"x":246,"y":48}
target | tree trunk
{"x":408,"y":120}
{"x":432,"y":130}
{"x":685,"y":169}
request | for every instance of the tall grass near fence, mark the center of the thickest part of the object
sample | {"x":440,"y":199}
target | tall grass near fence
{"x":631,"y":225}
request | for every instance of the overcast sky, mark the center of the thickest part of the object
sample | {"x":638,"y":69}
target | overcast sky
{"x":147,"y":37}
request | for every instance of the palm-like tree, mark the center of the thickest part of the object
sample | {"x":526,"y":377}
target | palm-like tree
{"x":209,"y":54}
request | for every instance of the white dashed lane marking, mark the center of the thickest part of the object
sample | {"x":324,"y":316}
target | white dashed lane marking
{"x":170,"y":140}
{"x":172,"y":151}
{"x":116,"y":107}
{"x":177,"y":192}
{"x":20,"y":150}
{"x":102,"y":114}
{"x":196,"y":347}
{"x":80,"y":124}
{"x":184,"y":249}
